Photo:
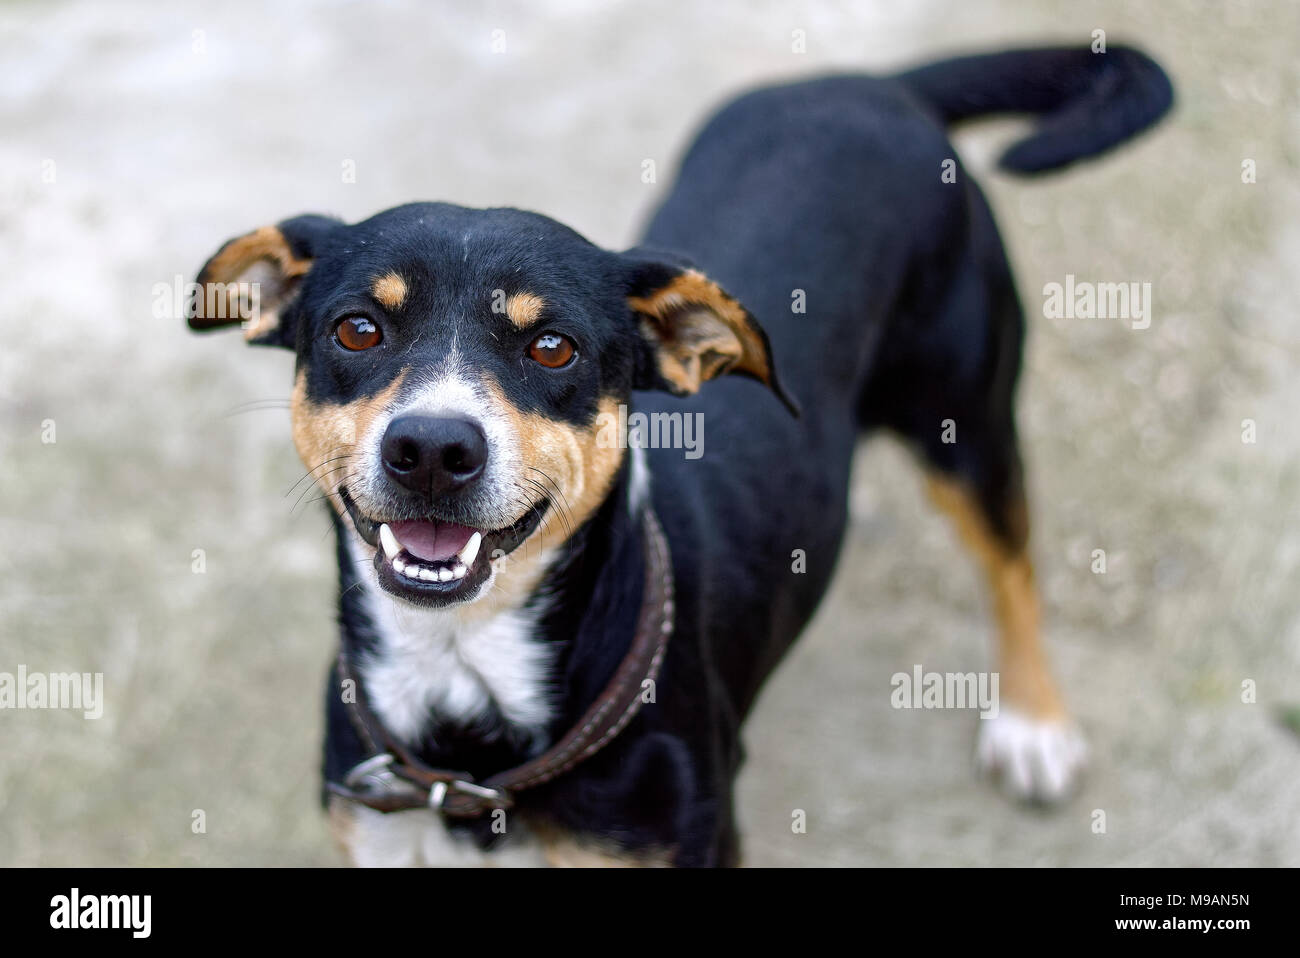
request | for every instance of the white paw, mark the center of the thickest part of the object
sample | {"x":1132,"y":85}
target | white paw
{"x":1037,"y":760}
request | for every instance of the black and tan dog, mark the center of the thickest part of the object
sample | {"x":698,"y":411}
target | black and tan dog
{"x":550,"y":639}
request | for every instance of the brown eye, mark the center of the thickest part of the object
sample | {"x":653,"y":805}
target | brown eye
{"x":552,"y":350}
{"x":357,"y":333}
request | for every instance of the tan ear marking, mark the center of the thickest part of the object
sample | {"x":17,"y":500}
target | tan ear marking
{"x":239,"y":254}
{"x":691,"y":287}
{"x":524,"y":309}
{"x":389,"y":290}
{"x":257,"y":270}
{"x":701,"y":332}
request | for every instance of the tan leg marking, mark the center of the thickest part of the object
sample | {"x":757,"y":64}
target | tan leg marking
{"x":1025,"y":680}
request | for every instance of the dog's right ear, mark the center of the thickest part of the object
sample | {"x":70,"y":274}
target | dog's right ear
{"x":693,"y":329}
{"x":254,"y":278}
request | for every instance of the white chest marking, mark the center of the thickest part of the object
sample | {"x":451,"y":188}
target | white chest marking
{"x":418,"y":837}
{"x":432,"y":663}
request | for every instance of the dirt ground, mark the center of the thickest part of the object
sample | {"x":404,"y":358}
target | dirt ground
{"x":137,"y":137}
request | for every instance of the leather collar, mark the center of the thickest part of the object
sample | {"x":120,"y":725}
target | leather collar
{"x":392,"y":778}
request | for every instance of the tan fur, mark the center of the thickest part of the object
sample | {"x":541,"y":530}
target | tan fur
{"x":342,"y":827}
{"x":573,"y":458}
{"x":524,"y":309}
{"x":700,"y":332}
{"x":578,"y":463}
{"x":389,"y":290}
{"x":322,"y":431}
{"x":263,"y":256}
{"x":568,"y":850}
{"x":540,"y":844}
{"x":1025,"y":680}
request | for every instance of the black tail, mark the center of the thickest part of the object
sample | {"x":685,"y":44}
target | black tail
{"x":1089,"y":102}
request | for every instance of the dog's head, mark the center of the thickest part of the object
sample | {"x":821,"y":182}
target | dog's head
{"x":458,"y":371}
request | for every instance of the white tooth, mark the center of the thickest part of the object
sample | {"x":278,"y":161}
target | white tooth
{"x":389,"y":541}
{"x":458,"y":571}
{"x":468,"y":554}
{"x":427,"y":574}
{"x":444,"y":574}
{"x":399,"y":565}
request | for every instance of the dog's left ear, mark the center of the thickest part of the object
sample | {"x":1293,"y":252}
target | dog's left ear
{"x":695,"y":330}
{"x":253,"y":279}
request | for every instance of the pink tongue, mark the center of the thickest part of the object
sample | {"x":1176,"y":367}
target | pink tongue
{"x":432,"y":541}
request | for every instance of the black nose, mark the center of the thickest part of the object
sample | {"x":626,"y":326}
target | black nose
{"x":433,"y":456}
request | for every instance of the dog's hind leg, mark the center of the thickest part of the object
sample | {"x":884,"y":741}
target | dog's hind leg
{"x":952,"y":398}
{"x":1030,"y":740}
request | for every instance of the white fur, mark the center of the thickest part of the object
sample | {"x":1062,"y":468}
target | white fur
{"x":433,"y":661}
{"x":444,"y":661}
{"x":430,"y":663}
{"x":450,"y":390}
{"x":638,"y":487}
{"x":419,"y":838}
{"x":452,"y":664}
{"x":1036,"y":759}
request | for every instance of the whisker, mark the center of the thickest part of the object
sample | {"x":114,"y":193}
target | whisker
{"x":560,"y":510}
{"x":307,"y":489}
{"x":314,"y":468}
{"x":255,"y":405}
{"x":565,"y":510}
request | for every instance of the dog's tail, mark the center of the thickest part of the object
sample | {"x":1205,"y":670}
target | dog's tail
{"x":1089,"y":102}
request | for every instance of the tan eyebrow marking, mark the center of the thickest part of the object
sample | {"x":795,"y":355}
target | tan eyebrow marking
{"x":389,"y":290}
{"x":524,"y":309}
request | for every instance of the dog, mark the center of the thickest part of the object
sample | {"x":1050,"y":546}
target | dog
{"x":551,"y":630}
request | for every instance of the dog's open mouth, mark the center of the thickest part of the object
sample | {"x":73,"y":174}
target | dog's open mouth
{"x":433,"y":562}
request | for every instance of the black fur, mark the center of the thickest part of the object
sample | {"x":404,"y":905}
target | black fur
{"x":831,"y":187}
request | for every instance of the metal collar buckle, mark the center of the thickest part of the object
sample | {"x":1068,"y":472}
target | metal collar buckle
{"x":491,"y":797}
{"x":375,"y":772}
